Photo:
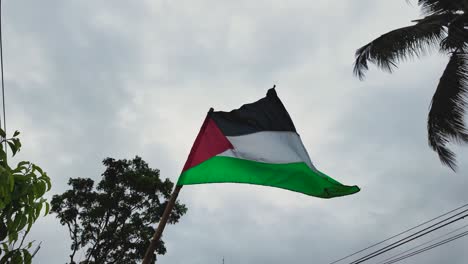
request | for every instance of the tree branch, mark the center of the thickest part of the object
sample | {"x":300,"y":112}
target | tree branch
{"x":98,"y":237}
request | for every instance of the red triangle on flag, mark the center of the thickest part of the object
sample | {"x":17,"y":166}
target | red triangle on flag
{"x":210,"y":142}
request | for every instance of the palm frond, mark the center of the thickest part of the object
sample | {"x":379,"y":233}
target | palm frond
{"x":446,"y":115}
{"x":457,"y":35}
{"x":442,"y":6}
{"x":442,"y":19}
{"x":397,"y":45}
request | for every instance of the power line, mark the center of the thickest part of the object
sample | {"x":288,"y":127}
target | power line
{"x":1,"y":54}
{"x":408,"y":238}
{"x":418,"y":246}
{"x":399,"y":234}
{"x":3,"y":81}
{"x":402,"y":241}
{"x":429,"y":247}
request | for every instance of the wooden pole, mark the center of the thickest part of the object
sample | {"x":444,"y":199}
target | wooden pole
{"x":157,"y":234}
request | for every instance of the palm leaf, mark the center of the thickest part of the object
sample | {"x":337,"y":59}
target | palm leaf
{"x":446,"y":115}
{"x":442,"y":6}
{"x":457,"y":35}
{"x":442,"y":19}
{"x":397,"y":45}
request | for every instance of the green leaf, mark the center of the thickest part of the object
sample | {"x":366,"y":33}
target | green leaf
{"x":2,"y":133}
{"x":2,"y":155}
{"x":31,"y":196}
{"x":12,"y":236}
{"x":17,"y":258}
{"x":16,"y":133}
{"x":38,"y":210}
{"x":7,"y":256}
{"x":23,"y":163}
{"x":35,"y":167}
{"x":47,"y":181}
{"x":32,"y":176}
{"x":12,"y":147}
{"x":12,"y":182}
{"x":3,"y":231}
{"x":40,"y":189}
{"x":5,"y":247}
{"x":17,"y":143}
{"x":17,"y":220}
{"x":9,"y":223}
{"x":27,"y":257}
{"x":47,"y":207}
{"x":30,"y":222}
{"x":22,"y":224}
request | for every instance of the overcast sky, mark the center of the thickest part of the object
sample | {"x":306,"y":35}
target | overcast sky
{"x":86,"y":80}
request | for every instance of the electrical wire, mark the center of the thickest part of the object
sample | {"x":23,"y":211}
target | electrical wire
{"x":429,"y":247}
{"x":409,"y":239}
{"x":3,"y":81}
{"x":399,"y":234}
{"x":423,"y":244}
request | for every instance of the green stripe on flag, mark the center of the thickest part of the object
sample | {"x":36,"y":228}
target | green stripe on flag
{"x":296,"y":177}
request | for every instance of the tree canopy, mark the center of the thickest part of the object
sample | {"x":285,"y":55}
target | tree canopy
{"x":444,"y":26}
{"x":113,"y":221}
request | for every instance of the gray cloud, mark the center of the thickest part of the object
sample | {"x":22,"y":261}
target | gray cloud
{"x":87,"y":80}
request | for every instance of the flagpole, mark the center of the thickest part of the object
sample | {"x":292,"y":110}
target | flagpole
{"x":162,"y":223}
{"x":170,"y":205}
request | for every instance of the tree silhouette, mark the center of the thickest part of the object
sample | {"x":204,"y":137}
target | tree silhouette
{"x":443,"y":26}
{"x":113,"y":221}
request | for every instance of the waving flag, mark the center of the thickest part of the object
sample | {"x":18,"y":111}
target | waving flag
{"x":257,"y":144}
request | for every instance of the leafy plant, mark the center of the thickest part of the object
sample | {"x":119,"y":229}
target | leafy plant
{"x":21,"y":202}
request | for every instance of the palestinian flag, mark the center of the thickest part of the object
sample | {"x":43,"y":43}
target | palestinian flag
{"x":256,"y":144}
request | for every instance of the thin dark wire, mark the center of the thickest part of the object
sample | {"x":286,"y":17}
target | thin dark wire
{"x":1,"y":55}
{"x":402,"y":241}
{"x":395,"y":245}
{"x":3,"y":82}
{"x":418,"y":246}
{"x":430,"y":247}
{"x":399,"y":234}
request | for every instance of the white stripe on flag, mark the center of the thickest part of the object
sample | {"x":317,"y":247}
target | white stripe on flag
{"x":269,"y":147}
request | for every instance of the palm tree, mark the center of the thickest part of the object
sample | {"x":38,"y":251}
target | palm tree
{"x":444,"y":25}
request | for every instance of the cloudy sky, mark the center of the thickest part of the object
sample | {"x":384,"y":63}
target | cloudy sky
{"x":86,"y":80}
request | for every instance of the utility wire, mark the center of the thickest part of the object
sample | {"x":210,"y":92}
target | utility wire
{"x":3,"y":81}
{"x":399,"y":234}
{"x":409,"y":239}
{"x":1,"y":55}
{"x":418,"y":246}
{"x":429,"y":247}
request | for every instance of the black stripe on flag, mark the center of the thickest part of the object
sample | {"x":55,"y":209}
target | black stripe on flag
{"x":267,"y":114}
